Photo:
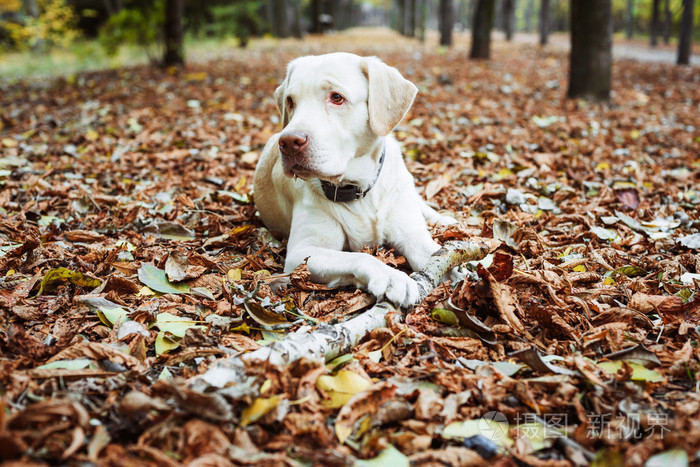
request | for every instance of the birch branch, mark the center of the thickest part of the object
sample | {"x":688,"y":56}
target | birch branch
{"x":329,"y":341}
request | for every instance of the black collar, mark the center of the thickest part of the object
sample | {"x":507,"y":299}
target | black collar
{"x":350,"y":192}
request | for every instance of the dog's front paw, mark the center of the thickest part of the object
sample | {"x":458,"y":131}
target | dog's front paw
{"x":446,"y":220}
{"x":395,"y":286}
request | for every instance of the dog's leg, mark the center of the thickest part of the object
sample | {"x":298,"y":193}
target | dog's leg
{"x":410,"y":236}
{"x":320,"y":242}
{"x":433,"y":217}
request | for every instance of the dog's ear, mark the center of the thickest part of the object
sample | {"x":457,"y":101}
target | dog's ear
{"x":390,"y":95}
{"x":279,"y":99}
{"x":280,"y":94}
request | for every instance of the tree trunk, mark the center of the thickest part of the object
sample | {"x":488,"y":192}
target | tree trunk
{"x":654,"y":26}
{"x":528,"y":15}
{"x":591,"y":49}
{"x":685,"y":41}
{"x":401,"y":16}
{"x":508,"y":18}
{"x":422,"y":13}
{"x":481,"y":29}
{"x":296,"y":24}
{"x":174,"y":34}
{"x":667,"y":21}
{"x":315,"y":16}
{"x":446,"y":22}
{"x":544,"y":22}
{"x":30,"y":8}
{"x":411,"y":18}
{"x":629,"y":19}
{"x":279,"y":18}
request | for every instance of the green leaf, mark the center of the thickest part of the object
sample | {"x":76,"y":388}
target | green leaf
{"x":639,"y":372}
{"x":389,"y":456}
{"x":202,"y":292}
{"x":338,"y":362}
{"x":670,"y":458}
{"x":75,"y":364}
{"x":444,"y":316}
{"x":176,"y":325}
{"x":494,"y":430}
{"x":109,"y":312}
{"x":62,"y":275}
{"x":165,"y":342}
{"x":341,"y":387}
{"x":631,"y":271}
{"x":155,"y":279}
{"x":605,"y":234}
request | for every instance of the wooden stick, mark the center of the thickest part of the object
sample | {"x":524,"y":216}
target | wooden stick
{"x":329,"y":341}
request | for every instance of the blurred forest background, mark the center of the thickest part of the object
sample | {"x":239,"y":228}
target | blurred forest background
{"x":43,"y":36}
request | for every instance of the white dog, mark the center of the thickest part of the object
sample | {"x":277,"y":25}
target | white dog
{"x":334,"y":179}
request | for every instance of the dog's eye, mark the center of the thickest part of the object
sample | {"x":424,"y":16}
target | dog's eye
{"x":337,"y":98}
{"x":290,"y":102}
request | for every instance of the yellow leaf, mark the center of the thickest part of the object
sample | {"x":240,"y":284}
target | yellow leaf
{"x":10,"y":272}
{"x":267,"y":384}
{"x":240,"y":184}
{"x":243,"y":327}
{"x":92,"y":135}
{"x":196,"y":76}
{"x":580,"y":268}
{"x":234,"y":274}
{"x":602,"y":166}
{"x":9,"y":142}
{"x":165,"y":342}
{"x":609,"y":281}
{"x":634,"y":134}
{"x":258,"y":409}
{"x":145,"y":292}
{"x":341,"y":387}
{"x":639,"y":372}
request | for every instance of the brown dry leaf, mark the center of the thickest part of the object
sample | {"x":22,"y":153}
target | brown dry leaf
{"x":301,"y":279}
{"x":361,"y":405}
{"x":451,"y":455}
{"x":84,"y":236}
{"x":98,"y":352}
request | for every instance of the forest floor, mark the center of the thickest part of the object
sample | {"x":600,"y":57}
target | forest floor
{"x":132,"y":261}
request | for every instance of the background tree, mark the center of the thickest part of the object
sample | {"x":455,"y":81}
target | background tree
{"x":411,"y":18}
{"x":654,"y":23}
{"x":508,"y":12}
{"x":629,"y":19}
{"x":544,"y":22}
{"x":279,"y":21}
{"x":31,"y":8}
{"x":686,"y":33}
{"x":174,"y":33}
{"x":315,"y":14}
{"x":481,"y":29}
{"x":591,"y":49}
{"x":446,"y":22}
{"x":528,"y":15}
{"x":667,"y":21}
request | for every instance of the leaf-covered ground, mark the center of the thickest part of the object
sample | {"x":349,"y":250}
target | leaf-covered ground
{"x":131,"y":260}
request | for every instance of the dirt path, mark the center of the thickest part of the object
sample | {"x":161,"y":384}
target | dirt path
{"x":622,"y":49}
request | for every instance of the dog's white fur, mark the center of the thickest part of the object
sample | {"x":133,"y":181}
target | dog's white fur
{"x":344,"y":146}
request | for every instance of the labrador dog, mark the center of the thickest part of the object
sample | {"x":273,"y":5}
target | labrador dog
{"x":334,"y":179}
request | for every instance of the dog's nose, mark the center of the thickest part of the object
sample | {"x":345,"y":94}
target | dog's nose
{"x":293,"y":143}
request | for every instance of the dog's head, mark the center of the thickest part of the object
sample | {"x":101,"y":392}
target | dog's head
{"x":334,"y":108}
